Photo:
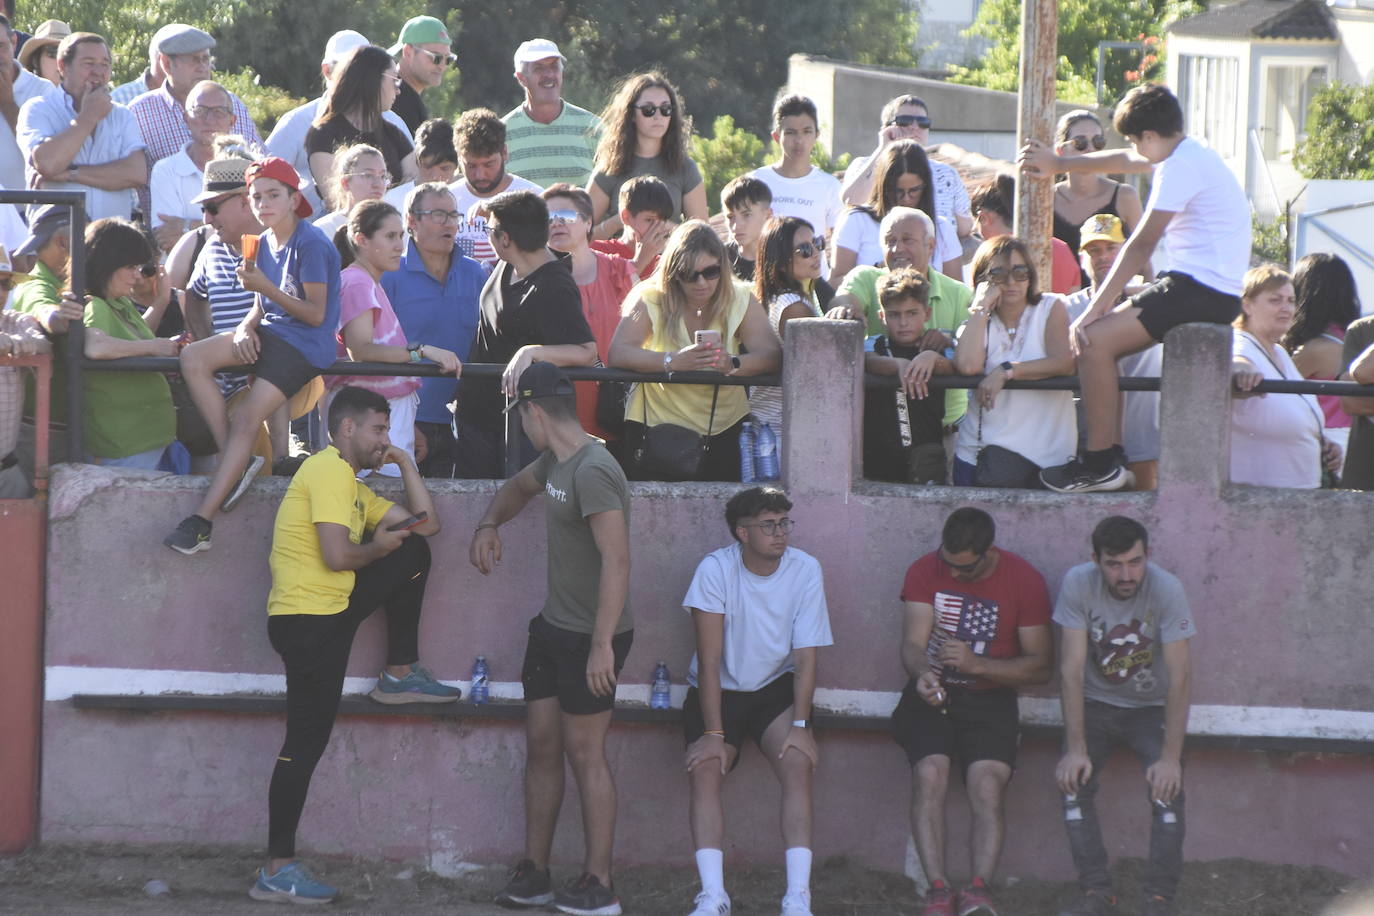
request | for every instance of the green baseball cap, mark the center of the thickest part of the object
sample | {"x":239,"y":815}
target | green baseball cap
{"x":422,"y":30}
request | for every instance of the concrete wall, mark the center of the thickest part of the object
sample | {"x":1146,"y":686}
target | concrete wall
{"x":1275,"y":579}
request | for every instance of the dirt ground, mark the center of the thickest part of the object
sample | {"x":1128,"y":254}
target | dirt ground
{"x":110,"y":880}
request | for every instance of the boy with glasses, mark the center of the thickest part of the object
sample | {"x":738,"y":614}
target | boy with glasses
{"x":976,"y":627}
{"x":759,"y":611}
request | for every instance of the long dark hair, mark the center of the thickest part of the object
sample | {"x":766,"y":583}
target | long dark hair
{"x":357,"y":92}
{"x":905,"y":157}
{"x":615,"y":153}
{"x":1325,"y":292}
{"x":773,"y":271}
{"x":364,"y":219}
{"x":111,"y":244}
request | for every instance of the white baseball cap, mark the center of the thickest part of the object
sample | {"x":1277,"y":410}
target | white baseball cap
{"x":340,"y":44}
{"x":536,"y":49}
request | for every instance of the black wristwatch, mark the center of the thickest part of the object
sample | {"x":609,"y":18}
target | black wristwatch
{"x":734,"y":361}
{"x":414,"y":350}
{"x":1007,"y":368}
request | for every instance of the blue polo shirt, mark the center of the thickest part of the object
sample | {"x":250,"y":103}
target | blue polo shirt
{"x":439,"y":314}
{"x":307,"y":257}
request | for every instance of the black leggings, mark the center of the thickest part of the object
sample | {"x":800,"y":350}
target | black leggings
{"x":314,"y":649}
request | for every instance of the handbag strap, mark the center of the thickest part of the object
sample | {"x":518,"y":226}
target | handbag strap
{"x":710,"y":421}
{"x":1321,"y":421}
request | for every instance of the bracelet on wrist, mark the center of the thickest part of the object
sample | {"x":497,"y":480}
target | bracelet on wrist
{"x":492,"y":525}
{"x":714,"y":731}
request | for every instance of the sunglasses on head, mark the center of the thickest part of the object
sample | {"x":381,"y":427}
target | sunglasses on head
{"x":908,"y":120}
{"x":706,"y":273}
{"x":1000,"y":275}
{"x":1081,"y":143}
{"x":805,"y":249}
{"x":648,"y":109}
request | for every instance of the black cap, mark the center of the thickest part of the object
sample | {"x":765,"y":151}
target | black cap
{"x":541,"y":380}
{"x":46,"y":221}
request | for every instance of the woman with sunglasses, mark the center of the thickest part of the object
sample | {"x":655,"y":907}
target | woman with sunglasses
{"x":1013,"y":332}
{"x":364,"y":88}
{"x":902,"y":179}
{"x":785,"y":275}
{"x":645,"y":132}
{"x":359,"y":173}
{"x":693,"y":291}
{"x":1082,"y":194}
{"x":128,"y":416}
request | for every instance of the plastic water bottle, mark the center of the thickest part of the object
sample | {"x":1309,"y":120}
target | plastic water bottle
{"x":746,"y":453}
{"x":477,"y":693}
{"x":659,"y":693}
{"x":1072,"y":811}
{"x":766,"y":461}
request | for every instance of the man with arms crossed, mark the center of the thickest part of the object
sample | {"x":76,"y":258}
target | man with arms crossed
{"x":577,"y":643}
{"x":1124,"y":627}
{"x":758,"y":607}
{"x":977,"y":627}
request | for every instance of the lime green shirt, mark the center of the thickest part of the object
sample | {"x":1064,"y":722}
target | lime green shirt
{"x":561,"y":150}
{"x":35,"y":297}
{"x":125,"y":413}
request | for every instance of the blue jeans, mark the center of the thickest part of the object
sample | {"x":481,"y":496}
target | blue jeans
{"x":1142,"y":730}
{"x":146,"y":461}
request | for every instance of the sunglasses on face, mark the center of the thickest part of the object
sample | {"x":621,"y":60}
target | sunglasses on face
{"x":909,"y":120}
{"x":559,"y":217}
{"x":649,"y":110}
{"x":706,"y":273}
{"x":805,"y":249}
{"x":1018,"y":274}
{"x":212,"y":207}
{"x":440,"y":60}
{"x":1081,"y":143}
{"x":965,"y":568}
{"x":148,"y":270}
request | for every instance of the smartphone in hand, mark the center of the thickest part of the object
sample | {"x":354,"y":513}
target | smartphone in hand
{"x":709,"y":336}
{"x":419,"y":518}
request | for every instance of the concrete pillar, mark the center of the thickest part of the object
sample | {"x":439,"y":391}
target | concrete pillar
{"x":822,"y":405}
{"x":1195,"y":410}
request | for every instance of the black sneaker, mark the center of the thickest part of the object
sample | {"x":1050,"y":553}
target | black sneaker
{"x":586,"y":897}
{"x":287,"y":465}
{"x":1075,"y":477}
{"x":528,"y":886}
{"x":255,"y":463}
{"x":190,"y":537}
{"x":1091,"y":903}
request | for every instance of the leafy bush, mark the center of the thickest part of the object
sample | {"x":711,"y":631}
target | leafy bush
{"x":266,"y":103}
{"x":728,"y":152}
{"x":1339,"y":142}
{"x":1269,"y":241}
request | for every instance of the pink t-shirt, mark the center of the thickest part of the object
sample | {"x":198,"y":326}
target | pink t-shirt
{"x":359,"y":293}
{"x":602,"y":302}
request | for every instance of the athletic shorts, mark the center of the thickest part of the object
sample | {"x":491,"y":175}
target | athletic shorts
{"x":743,"y":714}
{"x":282,"y":364}
{"x":972,"y":725}
{"x":556,"y":666}
{"x":1176,"y":299}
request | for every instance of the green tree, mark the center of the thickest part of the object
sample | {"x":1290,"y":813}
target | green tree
{"x":1340,"y":134}
{"x":728,"y":152}
{"x":266,"y":103}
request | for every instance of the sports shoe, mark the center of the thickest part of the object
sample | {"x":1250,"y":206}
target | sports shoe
{"x":288,"y":465}
{"x":1075,"y":477}
{"x":797,"y":903}
{"x":190,"y":537}
{"x":586,"y":897}
{"x":710,"y":903}
{"x":292,"y":883}
{"x":1156,"y":905}
{"x":939,"y":902}
{"x":419,"y":686}
{"x":1091,"y":903}
{"x":528,"y":886}
{"x":255,"y":464}
{"x":976,"y":900}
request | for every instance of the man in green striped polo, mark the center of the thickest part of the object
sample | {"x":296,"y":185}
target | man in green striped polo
{"x":550,"y":140}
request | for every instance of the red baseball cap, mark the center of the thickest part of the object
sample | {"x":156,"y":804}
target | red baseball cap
{"x":283,"y":171}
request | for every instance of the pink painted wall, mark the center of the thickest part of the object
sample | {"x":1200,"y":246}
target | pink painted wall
{"x":1274,"y":578}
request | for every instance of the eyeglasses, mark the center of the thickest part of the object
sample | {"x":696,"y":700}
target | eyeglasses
{"x":395,"y":80}
{"x":772,"y":527}
{"x":908,"y":120}
{"x":648,"y":109}
{"x":442,"y":217}
{"x":706,"y":273}
{"x":913,"y":193}
{"x":440,"y":59}
{"x":1081,"y":142}
{"x":205,"y":111}
{"x":559,"y":217}
{"x":212,"y":207}
{"x":805,"y":249}
{"x":492,"y":228}
{"x":370,"y":175}
{"x":1001,"y":275}
{"x":965,"y":568}
{"x":205,"y":58}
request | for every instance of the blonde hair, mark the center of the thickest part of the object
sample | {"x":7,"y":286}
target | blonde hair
{"x":688,"y":241}
{"x":1258,"y":281}
{"x":345,"y":161}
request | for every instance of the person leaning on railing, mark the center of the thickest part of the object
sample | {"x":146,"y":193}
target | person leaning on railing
{"x":693,"y":290}
{"x":20,"y":335}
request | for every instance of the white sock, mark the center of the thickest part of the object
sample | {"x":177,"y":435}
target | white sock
{"x":711,"y":868}
{"x":798,"y":869}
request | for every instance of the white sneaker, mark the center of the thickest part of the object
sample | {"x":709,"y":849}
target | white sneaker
{"x":709,"y":903}
{"x":797,"y":903}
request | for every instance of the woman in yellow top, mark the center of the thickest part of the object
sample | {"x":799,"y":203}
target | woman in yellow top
{"x":692,"y":290}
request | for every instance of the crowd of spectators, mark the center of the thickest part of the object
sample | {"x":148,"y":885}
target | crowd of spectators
{"x":362,"y":228}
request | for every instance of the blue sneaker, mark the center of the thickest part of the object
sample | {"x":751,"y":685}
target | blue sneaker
{"x":419,"y":686}
{"x":292,"y":883}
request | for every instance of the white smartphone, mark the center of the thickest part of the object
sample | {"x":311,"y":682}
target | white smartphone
{"x":708,"y":336}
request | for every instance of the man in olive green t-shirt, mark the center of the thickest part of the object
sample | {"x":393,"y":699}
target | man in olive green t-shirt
{"x":577,"y":642}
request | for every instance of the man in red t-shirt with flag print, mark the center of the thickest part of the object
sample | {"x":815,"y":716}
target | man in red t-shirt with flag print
{"x":977,"y":626}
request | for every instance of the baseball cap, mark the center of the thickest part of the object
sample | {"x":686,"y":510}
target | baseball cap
{"x":180,"y":38}
{"x":421,"y":30}
{"x":540,"y":380}
{"x":283,"y":171}
{"x":536,"y":49}
{"x":341,"y":44}
{"x":1102,"y":227}
{"x":46,"y":220}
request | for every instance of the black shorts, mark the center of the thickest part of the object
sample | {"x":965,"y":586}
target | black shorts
{"x":1176,"y":299}
{"x":556,"y":666}
{"x":282,"y":364}
{"x":743,"y":714}
{"x":973,"y":725}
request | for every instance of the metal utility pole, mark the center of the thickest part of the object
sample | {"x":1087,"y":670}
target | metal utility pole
{"x":1034,"y":217}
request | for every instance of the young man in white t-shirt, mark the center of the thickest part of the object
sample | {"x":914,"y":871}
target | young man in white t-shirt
{"x":1199,"y":212}
{"x":481,"y":140}
{"x":799,"y":188}
{"x":759,"y":610}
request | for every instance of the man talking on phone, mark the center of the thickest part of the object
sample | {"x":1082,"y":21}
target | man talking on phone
{"x":339,"y":552}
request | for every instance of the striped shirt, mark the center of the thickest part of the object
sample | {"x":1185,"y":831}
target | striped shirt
{"x":561,"y":150}
{"x":214,"y":279}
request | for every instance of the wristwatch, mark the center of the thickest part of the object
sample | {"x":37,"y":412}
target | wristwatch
{"x":801,"y":723}
{"x":1007,"y":368}
{"x":734,"y":361}
{"x":414,"y":349}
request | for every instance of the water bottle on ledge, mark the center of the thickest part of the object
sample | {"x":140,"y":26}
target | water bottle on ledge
{"x":477,"y":693}
{"x":659,"y":693}
{"x":766,"y":444}
{"x":746,"y":453}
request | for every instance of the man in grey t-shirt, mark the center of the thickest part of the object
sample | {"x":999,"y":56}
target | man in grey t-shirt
{"x":1124,"y":628}
{"x":577,"y":642}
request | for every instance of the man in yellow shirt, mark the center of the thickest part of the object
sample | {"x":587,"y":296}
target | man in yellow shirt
{"x":339,"y":552}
